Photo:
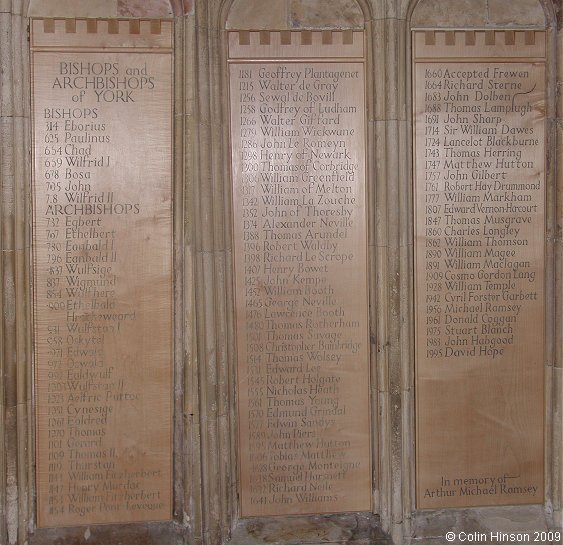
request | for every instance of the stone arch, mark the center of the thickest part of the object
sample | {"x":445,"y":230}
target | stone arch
{"x":297,"y":15}
{"x":108,"y":8}
{"x":294,"y":14}
{"x":478,"y":13}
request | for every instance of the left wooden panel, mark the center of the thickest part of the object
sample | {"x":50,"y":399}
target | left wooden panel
{"x":102,"y":256}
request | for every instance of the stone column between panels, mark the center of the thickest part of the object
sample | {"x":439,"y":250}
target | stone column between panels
{"x":15,"y":358}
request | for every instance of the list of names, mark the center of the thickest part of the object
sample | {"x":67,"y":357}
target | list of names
{"x":298,"y":137}
{"x":103,"y":286}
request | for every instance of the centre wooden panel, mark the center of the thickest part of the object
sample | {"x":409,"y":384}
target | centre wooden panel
{"x":479,"y":267}
{"x":102,"y":255}
{"x":298,"y":132}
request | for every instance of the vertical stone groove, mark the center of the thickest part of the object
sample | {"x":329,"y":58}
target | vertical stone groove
{"x":212,"y":280}
{"x":185,"y":160}
{"x":392,"y":250}
{"x":5,"y":20}
{"x":15,"y":343}
{"x":182,"y":294}
{"x":557,"y":449}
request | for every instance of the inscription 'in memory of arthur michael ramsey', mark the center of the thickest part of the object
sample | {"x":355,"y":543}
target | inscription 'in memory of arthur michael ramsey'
{"x":298,"y":163}
{"x":102,"y":253}
{"x":479,"y":267}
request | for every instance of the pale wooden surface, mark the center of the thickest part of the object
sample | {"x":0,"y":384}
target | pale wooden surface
{"x":300,"y":259}
{"x":103,"y":280}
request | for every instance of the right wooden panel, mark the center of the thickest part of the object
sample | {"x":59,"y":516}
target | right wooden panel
{"x":479,"y":193}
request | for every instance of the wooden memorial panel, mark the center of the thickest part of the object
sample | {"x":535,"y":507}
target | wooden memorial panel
{"x":298,"y":133}
{"x":102,"y":255}
{"x":479,"y":177}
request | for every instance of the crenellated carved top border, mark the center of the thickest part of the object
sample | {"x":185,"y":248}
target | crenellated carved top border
{"x":102,"y":33}
{"x":296,"y":44}
{"x":479,"y":43}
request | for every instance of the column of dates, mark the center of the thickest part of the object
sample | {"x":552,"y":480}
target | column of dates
{"x":432,"y":229}
{"x":51,"y":157}
{"x":253,"y":262}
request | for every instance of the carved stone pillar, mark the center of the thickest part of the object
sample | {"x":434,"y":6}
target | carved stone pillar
{"x":15,"y":348}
